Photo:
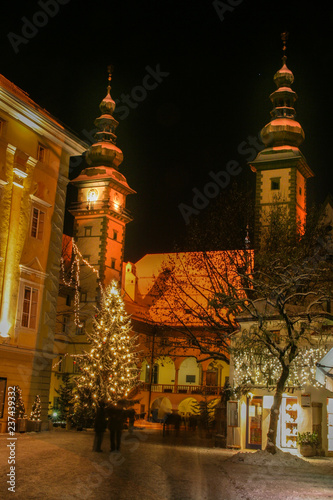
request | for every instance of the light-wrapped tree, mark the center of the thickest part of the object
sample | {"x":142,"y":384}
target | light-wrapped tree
{"x":36,"y":409}
{"x":109,"y":369}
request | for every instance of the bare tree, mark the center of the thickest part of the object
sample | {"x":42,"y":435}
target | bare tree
{"x":286,"y":282}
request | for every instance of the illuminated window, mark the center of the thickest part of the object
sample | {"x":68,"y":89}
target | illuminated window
{"x":41,"y":153}
{"x":275,"y":184}
{"x":92,"y":195}
{"x":29,"y":307}
{"x":37,"y":223}
{"x":80,"y":329}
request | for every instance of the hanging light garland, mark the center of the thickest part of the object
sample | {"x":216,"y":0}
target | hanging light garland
{"x":74,"y":279}
{"x":264,"y":370}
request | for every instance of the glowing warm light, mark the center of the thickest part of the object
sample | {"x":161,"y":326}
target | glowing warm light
{"x":267,"y":402}
{"x":92,"y":195}
{"x":4,"y":328}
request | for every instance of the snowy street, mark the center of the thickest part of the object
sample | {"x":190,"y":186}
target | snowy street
{"x":61,"y":464}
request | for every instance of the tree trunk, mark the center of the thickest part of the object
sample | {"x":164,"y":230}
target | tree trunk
{"x":275,"y":411}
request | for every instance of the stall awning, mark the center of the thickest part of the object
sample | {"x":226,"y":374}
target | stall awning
{"x":325,"y":368}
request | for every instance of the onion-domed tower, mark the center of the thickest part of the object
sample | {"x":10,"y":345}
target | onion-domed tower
{"x":281,"y":169}
{"x":100,"y":212}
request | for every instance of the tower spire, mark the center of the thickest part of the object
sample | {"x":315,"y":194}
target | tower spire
{"x":104,"y":151}
{"x":284,"y":38}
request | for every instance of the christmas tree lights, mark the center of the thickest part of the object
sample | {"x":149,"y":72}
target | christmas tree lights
{"x":19,"y":405}
{"x":109,"y":370}
{"x":36,"y":409}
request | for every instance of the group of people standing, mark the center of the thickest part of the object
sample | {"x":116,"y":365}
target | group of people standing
{"x":113,"y":418}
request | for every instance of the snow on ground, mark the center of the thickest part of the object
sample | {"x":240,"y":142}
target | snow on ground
{"x":262,"y":457}
{"x":61,"y":464}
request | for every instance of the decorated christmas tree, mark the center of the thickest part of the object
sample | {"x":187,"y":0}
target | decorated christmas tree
{"x":19,"y":405}
{"x":65,"y":400}
{"x":108,"y":369}
{"x":36,"y":409}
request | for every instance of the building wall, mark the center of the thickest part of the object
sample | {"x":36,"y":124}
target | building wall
{"x":34,"y":160}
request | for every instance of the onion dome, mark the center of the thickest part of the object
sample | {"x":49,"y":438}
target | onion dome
{"x":104,"y":151}
{"x":283,"y":129}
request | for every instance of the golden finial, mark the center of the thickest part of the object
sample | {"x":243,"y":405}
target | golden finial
{"x":110,"y":70}
{"x":284,"y":38}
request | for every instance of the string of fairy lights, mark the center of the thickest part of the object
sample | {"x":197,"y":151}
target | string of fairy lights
{"x":266,"y":370}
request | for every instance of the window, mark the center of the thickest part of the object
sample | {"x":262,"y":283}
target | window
{"x":80,"y":329}
{"x":60,"y":364}
{"x":113,"y":263}
{"x":3,"y":383}
{"x":83,"y":297}
{"x":29,"y":309}
{"x":300,"y":191}
{"x":275,"y":184}
{"x":86,"y":258}
{"x":115,"y":234}
{"x":87,"y":230}
{"x":2,"y":125}
{"x":190,"y":379}
{"x":75,"y":367}
{"x":65,"y":321}
{"x":37,"y":223}
{"x":41,"y":153}
{"x":68,"y":300}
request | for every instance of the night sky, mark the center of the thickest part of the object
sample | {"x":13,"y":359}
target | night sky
{"x":216,"y":68}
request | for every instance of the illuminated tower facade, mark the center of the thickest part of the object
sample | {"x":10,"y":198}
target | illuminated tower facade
{"x":281,"y":169}
{"x":100,"y":211}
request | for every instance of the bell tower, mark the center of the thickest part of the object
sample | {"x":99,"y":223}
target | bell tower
{"x":281,"y":169}
{"x":100,"y":211}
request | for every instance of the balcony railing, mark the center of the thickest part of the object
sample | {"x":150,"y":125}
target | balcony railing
{"x":100,"y":205}
{"x":183,"y":389}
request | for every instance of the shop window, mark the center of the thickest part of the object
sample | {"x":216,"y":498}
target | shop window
{"x":29,"y":307}
{"x":37,"y":223}
{"x":330,"y":423}
{"x":289,"y":422}
{"x":254,"y":423}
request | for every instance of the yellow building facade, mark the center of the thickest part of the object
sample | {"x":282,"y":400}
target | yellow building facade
{"x":35,"y":150}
